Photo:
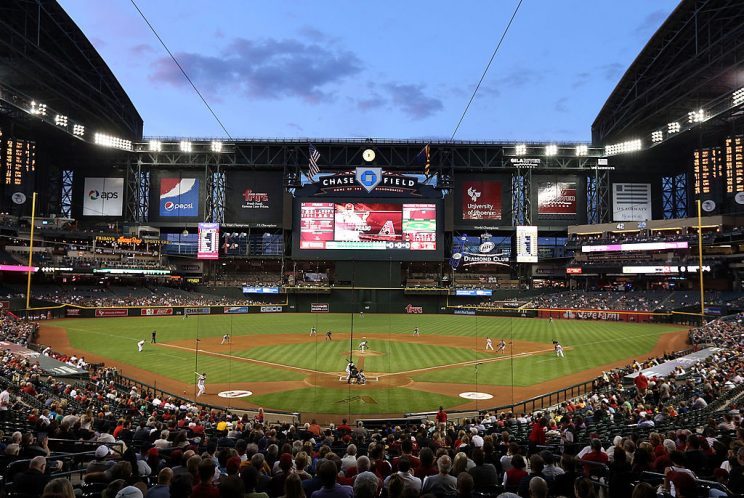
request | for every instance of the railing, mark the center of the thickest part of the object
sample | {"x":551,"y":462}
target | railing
{"x":526,"y":406}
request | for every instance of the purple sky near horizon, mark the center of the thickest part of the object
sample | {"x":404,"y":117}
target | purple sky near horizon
{"x":401,"y":70}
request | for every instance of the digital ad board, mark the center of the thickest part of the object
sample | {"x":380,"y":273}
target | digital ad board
{"x":208,"y":244}
{"x":350,"y":229}
{"x":103,"y":196}
{"x":527,"y":244}
{"x":557,"y":199}
{"x":254,"y":198}
{"x":176,"y":196}
{"x":483,"y":202}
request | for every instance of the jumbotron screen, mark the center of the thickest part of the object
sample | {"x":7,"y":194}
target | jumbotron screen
{"x":377,"y":229}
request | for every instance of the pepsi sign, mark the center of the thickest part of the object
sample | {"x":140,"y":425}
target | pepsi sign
{"x":179,"y":197}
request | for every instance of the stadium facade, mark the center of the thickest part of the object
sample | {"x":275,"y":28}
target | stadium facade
{"x":670,"y":132}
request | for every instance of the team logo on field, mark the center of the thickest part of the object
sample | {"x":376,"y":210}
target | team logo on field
{"x":234,"y":394}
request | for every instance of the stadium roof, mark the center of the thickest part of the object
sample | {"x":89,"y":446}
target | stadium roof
{"x":695,"y":57}
{"x":45,"y":57}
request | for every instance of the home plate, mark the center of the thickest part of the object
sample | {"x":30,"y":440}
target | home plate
{"x":234,"y":394}
{"x":475,"y":395}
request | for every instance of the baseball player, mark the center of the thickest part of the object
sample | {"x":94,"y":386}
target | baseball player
{"x":201,"y":383}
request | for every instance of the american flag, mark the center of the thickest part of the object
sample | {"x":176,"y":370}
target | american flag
{"x":314,"y":155}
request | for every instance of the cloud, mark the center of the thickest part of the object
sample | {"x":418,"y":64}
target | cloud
{"x":313,"y":34}
{"x":516,"y":78}
{"x":581,"y":79}
{"x":141,"y":50}
{"x":264,"y":69}
{"x":612,"y":71}
{"x":374,"y":101}
{"x":295,"y":126}
{"x":412,"y":101}
{"x":561,"y":104}
{"x":651,"y":23}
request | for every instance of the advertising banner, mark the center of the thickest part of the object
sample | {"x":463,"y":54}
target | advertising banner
{"x":319,"y":308}
{"x":103,"y":196}
{"x":254,"y":198}
{"x":230,"y":310}
{"x":175,"y":195}
{"x":109,"y":312}
{"x":72,"y":312}
{"x":612,"y":316}
{"x":190,"y":267}
{"x":413,"y":310}
{"x":272,"y":309}
{"x":556,"y":198}
{"x":474,"y":292}
{"x":481,"y":200}
{"x":156,"y":311}
{"x":260,"y":290}
{"x":527,"y":248}
{"x":197,"y":311}
{"x":631,"y":201}
{"x":209,"y":241}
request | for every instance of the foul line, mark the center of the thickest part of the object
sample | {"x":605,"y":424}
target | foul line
{"x":468,"y":363}
{"x":249,"y":360}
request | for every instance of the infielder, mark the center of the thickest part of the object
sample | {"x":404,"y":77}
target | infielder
{"x":141,"y":345}
{"x":489,"y":344}
{"x":502,"y":346}
{"x":558,"y":349}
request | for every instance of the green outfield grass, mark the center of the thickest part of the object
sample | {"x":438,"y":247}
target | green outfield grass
{"x":588,"y":344}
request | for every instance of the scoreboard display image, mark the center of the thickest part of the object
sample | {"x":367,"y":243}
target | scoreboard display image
{"x":384,"y":228}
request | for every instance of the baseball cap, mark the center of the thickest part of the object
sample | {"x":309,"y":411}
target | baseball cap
{"x":129,"y":492}
{"x":102,"y":451}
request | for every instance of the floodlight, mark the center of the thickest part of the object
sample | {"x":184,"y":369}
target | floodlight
{"x":60,"y":120}
{"x":38,"y":108}
{"x":113,"y":142}
{"x":673,"y":127}
{"x":216,"y":146}
{"x":657,"y":136}
{"x":696,"y":116}
{"x":551,"y":150}
{"x":624,"y":147}
{"x":185,"y":146}
{"x":520,"y":149}
{"x":582,"y":150}
{"x":155,"y":146}
{"x":78,"y":130}
{"x":739,"y":96}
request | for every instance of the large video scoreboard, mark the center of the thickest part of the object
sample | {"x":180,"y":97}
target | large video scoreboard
{"x":350,"y":229}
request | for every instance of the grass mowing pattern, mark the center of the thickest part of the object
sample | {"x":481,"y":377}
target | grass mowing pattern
{"x":591,"y":344}
{"x":117,"y":339}
{"x":324,"y":356}
{"x":588,"y":344}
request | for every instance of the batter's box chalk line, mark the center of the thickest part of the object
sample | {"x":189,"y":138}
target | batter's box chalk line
{"x":342,"y":378}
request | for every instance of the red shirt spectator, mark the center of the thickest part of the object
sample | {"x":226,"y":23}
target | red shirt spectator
{"x":641,"y":382}
{"x":596,"y":455}
{"x":441,"y":416}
